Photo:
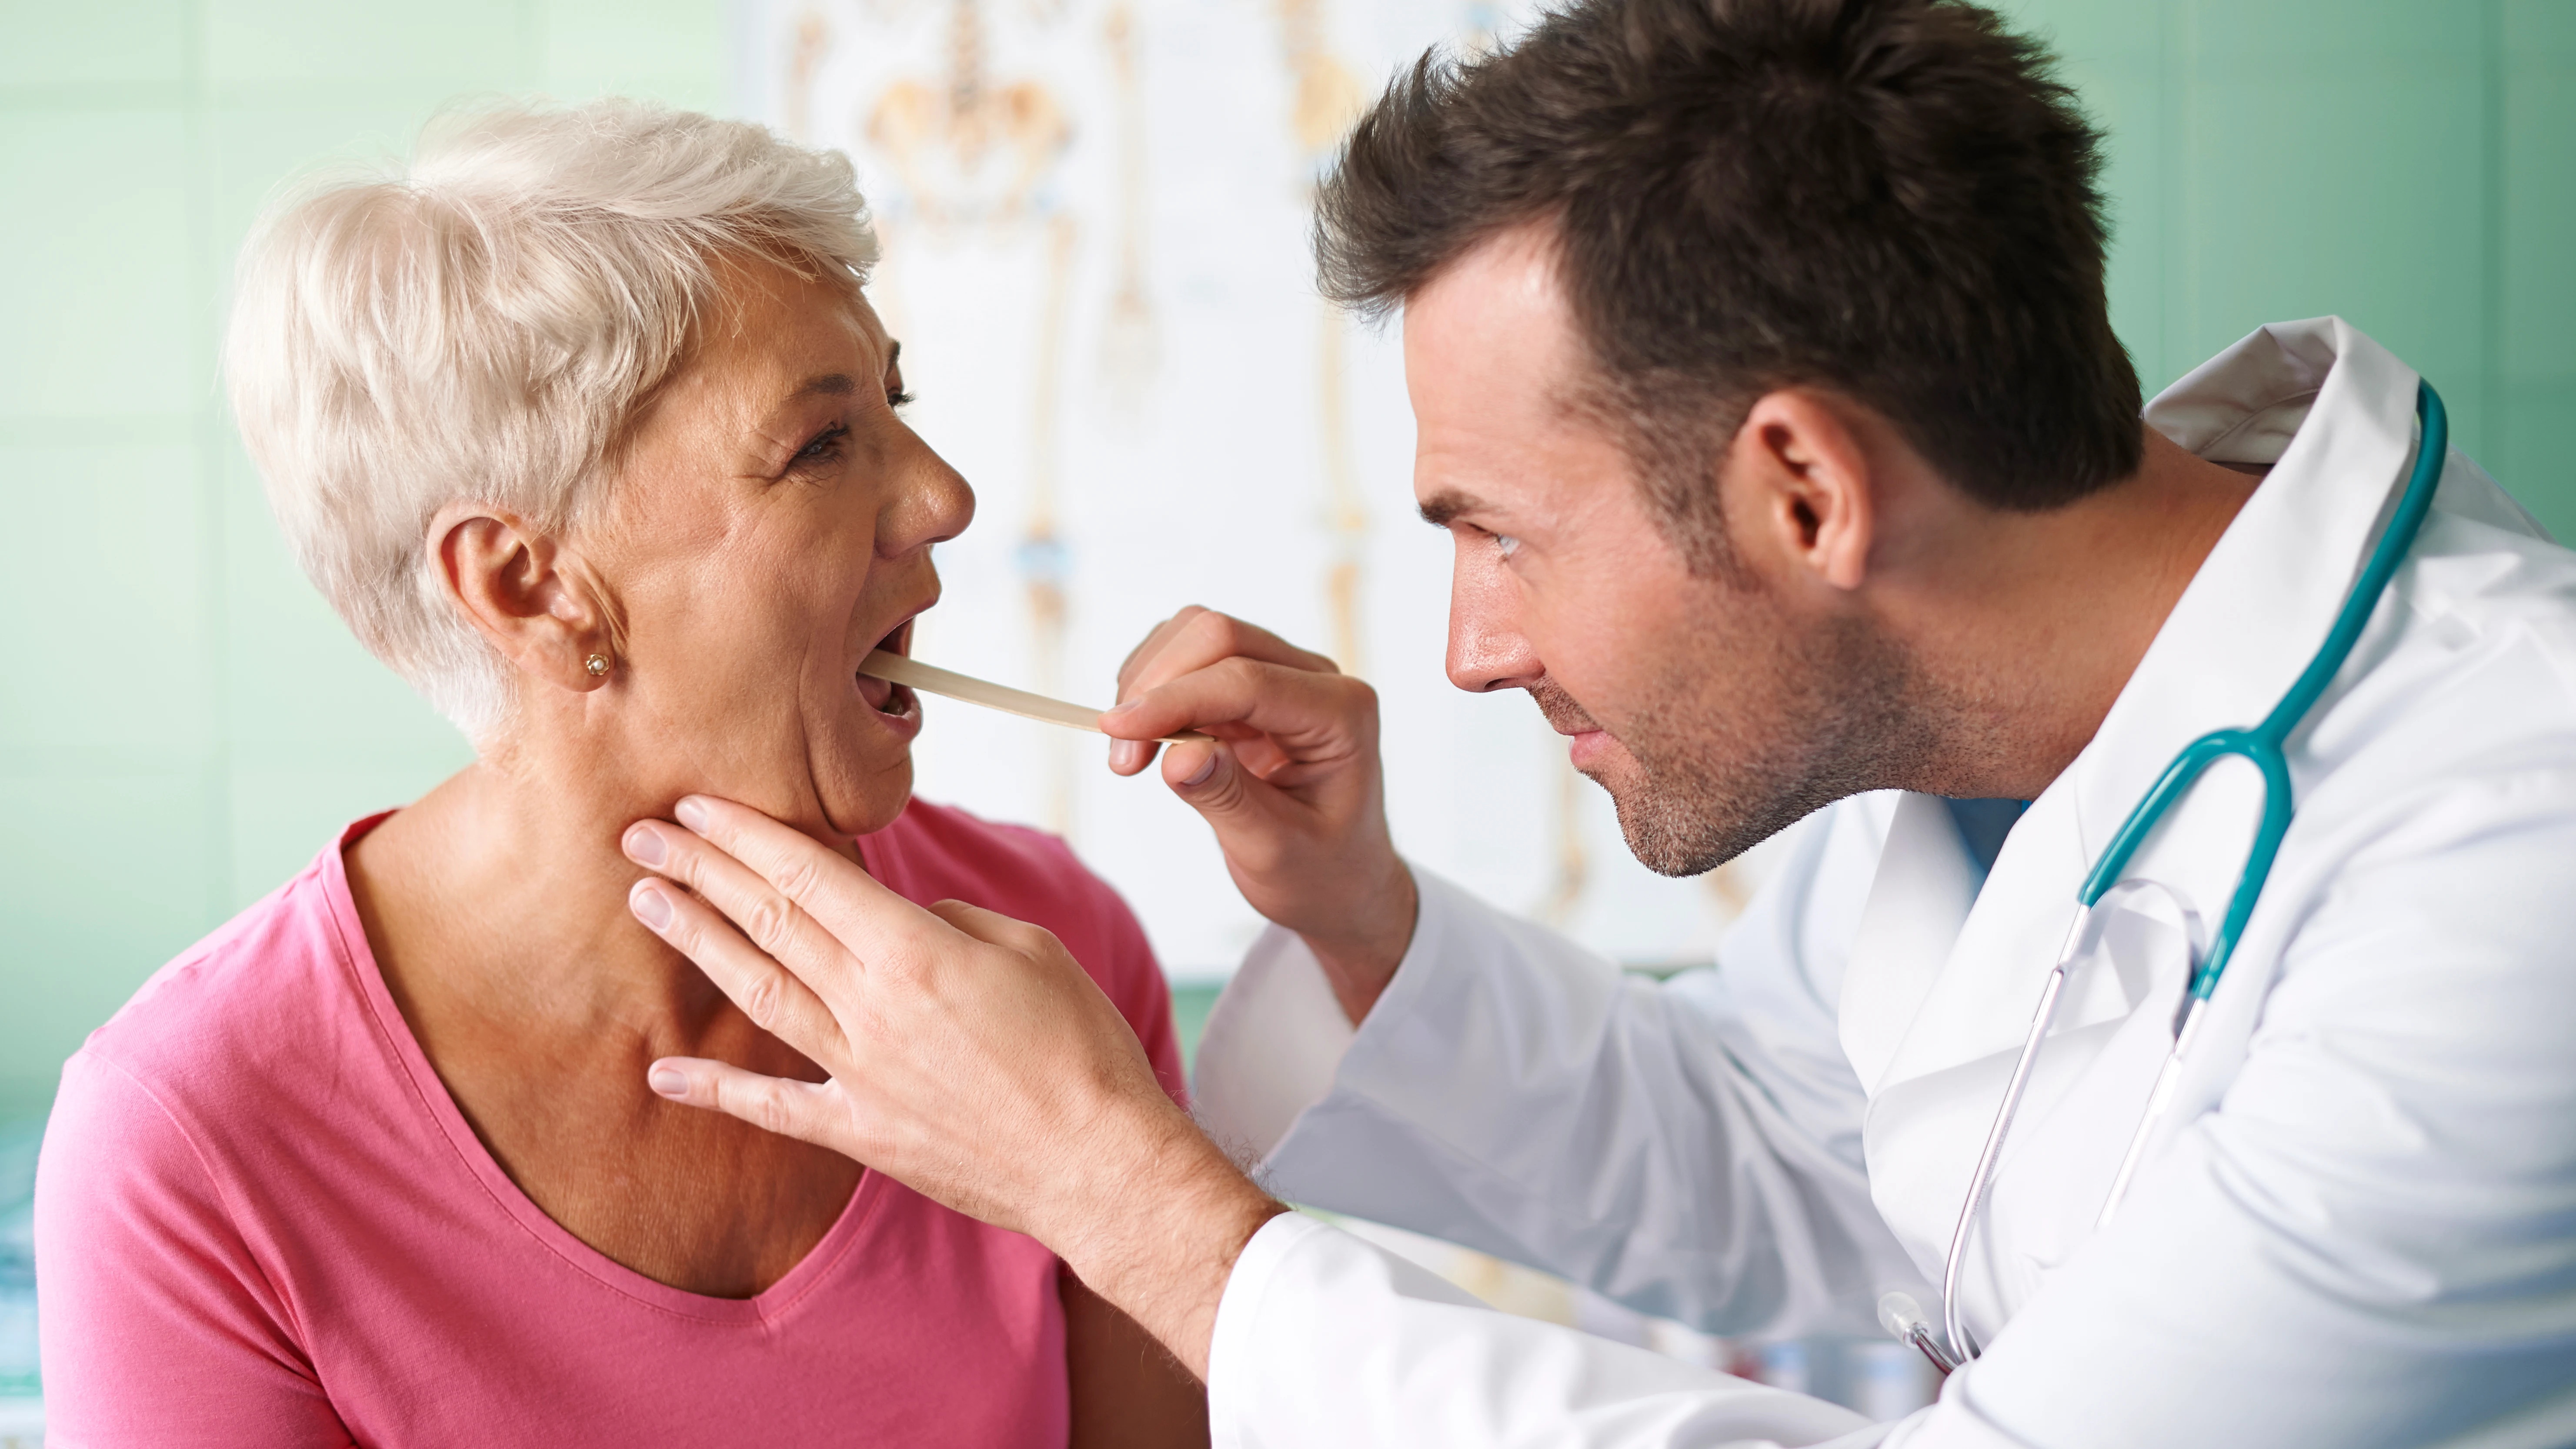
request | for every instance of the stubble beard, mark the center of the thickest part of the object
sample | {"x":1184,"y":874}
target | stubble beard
{"x":1728,"y":757}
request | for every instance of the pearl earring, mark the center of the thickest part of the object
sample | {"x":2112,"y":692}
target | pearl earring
{"x":597,"y":664}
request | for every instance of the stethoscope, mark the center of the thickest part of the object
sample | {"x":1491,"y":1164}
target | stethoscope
{"x":2262,"y":747}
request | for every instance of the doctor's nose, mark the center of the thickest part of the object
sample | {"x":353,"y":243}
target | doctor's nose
{"x":1486,"y":654}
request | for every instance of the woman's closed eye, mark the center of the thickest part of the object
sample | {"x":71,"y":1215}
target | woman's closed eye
{"x":827,"y":447}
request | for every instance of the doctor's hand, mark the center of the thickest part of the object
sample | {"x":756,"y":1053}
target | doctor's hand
{"x":1293,"y":785}
{"x":971,"y":1058}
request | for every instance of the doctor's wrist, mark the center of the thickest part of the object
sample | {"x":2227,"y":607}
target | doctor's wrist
{"x":1158,"y":1232}
{"x":1359,"y":956}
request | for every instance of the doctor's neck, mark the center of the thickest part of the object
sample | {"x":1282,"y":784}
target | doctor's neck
{"x":2026,"y":626}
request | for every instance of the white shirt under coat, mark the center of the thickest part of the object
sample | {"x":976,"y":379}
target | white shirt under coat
{"x":2358,"y":1225}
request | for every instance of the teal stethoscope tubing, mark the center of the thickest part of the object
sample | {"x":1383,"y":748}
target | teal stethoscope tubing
{"x":2262,"y":746}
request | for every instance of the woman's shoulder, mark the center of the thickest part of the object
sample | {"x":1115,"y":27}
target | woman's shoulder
{"x":247,"y":1001}
{"x":203,"y":1156}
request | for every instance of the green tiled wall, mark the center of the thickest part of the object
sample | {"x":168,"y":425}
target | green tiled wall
{"x":2410,"y":165}
{"x":182,"y":721}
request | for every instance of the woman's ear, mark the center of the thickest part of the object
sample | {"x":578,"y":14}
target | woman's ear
{"x":525,"y":592}
{"x":1806,"y":486}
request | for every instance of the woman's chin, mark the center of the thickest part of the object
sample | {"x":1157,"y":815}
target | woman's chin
{"x":858,"y":767}
{"x":862,"y":800}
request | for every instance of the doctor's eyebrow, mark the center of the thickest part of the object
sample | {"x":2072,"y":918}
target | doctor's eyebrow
{"x":1442,"y":508}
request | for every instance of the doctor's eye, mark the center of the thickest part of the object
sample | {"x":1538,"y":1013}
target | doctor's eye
{"x":1506,"y":545}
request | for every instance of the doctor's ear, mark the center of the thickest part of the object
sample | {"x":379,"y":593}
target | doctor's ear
{"x":526,"y":592}
{"x":1799,"y":476}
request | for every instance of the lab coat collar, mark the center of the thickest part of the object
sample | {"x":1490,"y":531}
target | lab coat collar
{"x":1966,"y":966}
{"x":2262,"y":602}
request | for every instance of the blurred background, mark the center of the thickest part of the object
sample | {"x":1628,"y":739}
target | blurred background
{"x":1095,"y":216}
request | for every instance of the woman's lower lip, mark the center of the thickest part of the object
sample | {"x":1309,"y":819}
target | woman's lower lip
{"x":904,"y":721}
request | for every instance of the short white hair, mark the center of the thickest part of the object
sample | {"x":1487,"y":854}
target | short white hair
{"x":482,"y":326}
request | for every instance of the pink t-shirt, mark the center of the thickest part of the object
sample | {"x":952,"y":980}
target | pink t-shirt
{"x":260,"y":1220}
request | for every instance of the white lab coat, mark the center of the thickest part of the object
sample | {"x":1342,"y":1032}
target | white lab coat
{"x":2358,"y":1226}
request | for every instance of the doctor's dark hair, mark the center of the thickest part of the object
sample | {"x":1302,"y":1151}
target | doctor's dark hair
{"x":1894,"y":199}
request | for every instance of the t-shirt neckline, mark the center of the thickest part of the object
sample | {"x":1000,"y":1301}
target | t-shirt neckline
{"x":358,"y":958}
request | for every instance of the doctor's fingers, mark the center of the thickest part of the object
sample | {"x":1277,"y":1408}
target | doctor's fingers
{"x":816,"y":1112}
{"x":1310,"y":717}
{"x":773,"y":997}
{"x":775,"y":923}
{"x":742,"y":860}
{"x":1190,"y":640}
{"x":1195,"y":638}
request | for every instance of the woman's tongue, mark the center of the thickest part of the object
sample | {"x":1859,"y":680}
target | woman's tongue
{"x":880,"y":694}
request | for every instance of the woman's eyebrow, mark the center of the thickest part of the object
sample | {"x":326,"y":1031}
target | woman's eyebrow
{"x":830,"y":384}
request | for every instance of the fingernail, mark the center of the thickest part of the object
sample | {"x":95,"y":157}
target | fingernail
{"x":1203,"y":773}
{"x":692,"y":812}
{"x":649,"y":905}
{"x":668,"y":1080}
{"x":644,"y":845}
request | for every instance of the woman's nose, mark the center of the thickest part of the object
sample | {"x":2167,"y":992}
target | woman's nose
{"x":934,"y":505}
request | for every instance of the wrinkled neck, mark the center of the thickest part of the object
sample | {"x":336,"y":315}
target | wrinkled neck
{"x":506,"y":885}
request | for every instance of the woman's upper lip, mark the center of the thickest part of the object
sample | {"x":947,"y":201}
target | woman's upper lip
{"x":898,"y":639}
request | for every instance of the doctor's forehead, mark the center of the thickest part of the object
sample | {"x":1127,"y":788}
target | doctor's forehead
{"x":1491,"y":334}
{"x":1498,"y":373}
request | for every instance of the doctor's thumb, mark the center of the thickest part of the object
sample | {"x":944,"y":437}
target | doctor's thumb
{"x":1212,"y":784}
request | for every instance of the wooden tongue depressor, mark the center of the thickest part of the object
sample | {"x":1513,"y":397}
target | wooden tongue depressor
{"x":947,"y":683}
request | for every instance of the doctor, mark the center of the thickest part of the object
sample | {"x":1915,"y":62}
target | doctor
{"x":1765,"y":385}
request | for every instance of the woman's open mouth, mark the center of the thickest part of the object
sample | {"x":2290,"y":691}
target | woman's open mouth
{"x":884,"y":696}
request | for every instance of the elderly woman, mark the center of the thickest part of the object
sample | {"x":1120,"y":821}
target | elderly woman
{"x":586,"y":429}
